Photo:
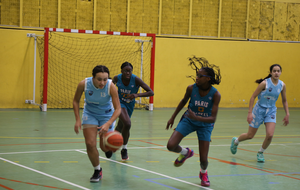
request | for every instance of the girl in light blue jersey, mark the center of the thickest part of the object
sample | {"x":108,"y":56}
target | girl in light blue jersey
{"x":200,"y":116}
{"x":128,"y":85}
{"x":101,"y":109}
{"x":264,"y":110}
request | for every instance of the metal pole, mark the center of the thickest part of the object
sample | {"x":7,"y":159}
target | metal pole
{"x":34,"y":69}
{"x":141,"y":75}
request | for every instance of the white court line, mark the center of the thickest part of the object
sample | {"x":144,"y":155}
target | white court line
{"x":44,"y":174}
{"x":169,"y":177}
{"x":228,"y":145}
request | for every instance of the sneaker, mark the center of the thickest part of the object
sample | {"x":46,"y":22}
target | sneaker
{"x":108,"y":154}
{"x":204,"y":179}
{"x":181,"y":159}
{"x":260,"y":157}
{"x":96,"y":176}
{"x":233,"y":146}
{"x":124,"y":154}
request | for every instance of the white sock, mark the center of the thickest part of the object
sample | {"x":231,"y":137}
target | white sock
{"x":97,"y":167}
{"x":261,"y":150}
{"x":203,"y":171}
{"x":184,"y":151}
{"x":124,"y":146}
{"x":236,"y":142}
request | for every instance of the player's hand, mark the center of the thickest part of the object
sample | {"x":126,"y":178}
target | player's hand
{"x":103,"y":129}
{"x":77,"y":127}
{"x":132,"y":96}
{"x":170,"y":123}
{"x":249,"y":118}
{"x":191,"y":114}
{"x":286,"y":120}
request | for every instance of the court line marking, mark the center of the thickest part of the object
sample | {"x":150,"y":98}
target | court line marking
{"x":149,"y":171}
{"x":48,"y":175}
{"x":133,"y":138}
{"x":228,"y":145}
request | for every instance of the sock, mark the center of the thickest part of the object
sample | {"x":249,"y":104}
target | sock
{"x":203,"y":171}
{"x":97,"y":167}
{"x":124,"y":146}
{"x":261,"y":150}
{"x":184,"y":151}
{"x":236,"y":142}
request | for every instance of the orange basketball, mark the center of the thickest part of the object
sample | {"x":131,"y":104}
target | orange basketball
{"x":113,"y":140}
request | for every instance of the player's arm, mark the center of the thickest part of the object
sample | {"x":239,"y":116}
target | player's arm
{"x":141,"y":83}
{"x":115,"y":79}
{"x":214,"y":111}
{"x":258,"y":90}
{"x":117,"y":107}
{"x":76,"y":100}
{"x":285,"y":106}
{"x":181,"y":104}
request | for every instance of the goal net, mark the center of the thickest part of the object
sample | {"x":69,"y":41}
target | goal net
{"x":69,"y":56}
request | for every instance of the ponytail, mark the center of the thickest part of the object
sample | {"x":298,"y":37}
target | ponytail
{"x":271,"y":68}
{"x":260,"y":80}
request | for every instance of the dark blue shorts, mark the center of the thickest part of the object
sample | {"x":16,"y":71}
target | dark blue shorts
{"x":185,"y":127}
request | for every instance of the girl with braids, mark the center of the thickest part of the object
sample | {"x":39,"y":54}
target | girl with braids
{"x":200,"y":116}
{"x":128,"y":85}
{"x":101,"y":109}
{"x":264,"y":110}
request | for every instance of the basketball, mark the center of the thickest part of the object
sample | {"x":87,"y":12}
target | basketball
{"x":113,"y":140}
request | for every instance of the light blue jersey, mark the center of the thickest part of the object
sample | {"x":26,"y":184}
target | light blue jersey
{"x":265,"y":109}
{"x":269,"y":96}
{"x":125,"y":91}
{"x":98,"y":101}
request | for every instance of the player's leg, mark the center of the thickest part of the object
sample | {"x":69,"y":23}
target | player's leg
{"x":90,"y":136}
{"x":103,"y":120}
{"x":124,"y":119}
{"x":270,"y":128}
{"x":203,"y":151}
{"x":182,"y":130}
{"x":258,"y":118}
{"x":270,"y":123}
{"x":244,"y":136}
{"x":249,"y":135}
{"x":204,"y":138}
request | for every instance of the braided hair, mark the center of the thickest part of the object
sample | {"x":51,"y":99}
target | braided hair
{"x":213,"y":71}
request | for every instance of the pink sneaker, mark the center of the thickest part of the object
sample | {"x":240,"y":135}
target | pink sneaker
{"x":178,"y":163}
{"x":204,"y":179}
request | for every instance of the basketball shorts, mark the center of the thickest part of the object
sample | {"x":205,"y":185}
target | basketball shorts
{"x":99,"y":120}
{"x":263,"y":115}
{"x":185,"y":127}
{"x":129,"y":107}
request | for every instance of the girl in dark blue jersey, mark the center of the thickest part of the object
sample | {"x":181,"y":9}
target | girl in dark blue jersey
{"x":200,"y":117}
{"x":128,"y":85}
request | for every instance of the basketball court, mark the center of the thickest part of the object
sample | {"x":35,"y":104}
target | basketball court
{"x":40,"y":150}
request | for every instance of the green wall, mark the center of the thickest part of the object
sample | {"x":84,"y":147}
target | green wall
{"x":241,"y":63}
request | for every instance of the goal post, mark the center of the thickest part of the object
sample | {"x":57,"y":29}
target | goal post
{"x":69,"y":55}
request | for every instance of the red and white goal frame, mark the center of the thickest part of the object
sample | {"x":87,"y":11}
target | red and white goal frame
{"x":46,"y":55}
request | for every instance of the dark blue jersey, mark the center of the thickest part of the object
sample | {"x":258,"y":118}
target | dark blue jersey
{"x":125,"y":91}
{"x":201,"y":106}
